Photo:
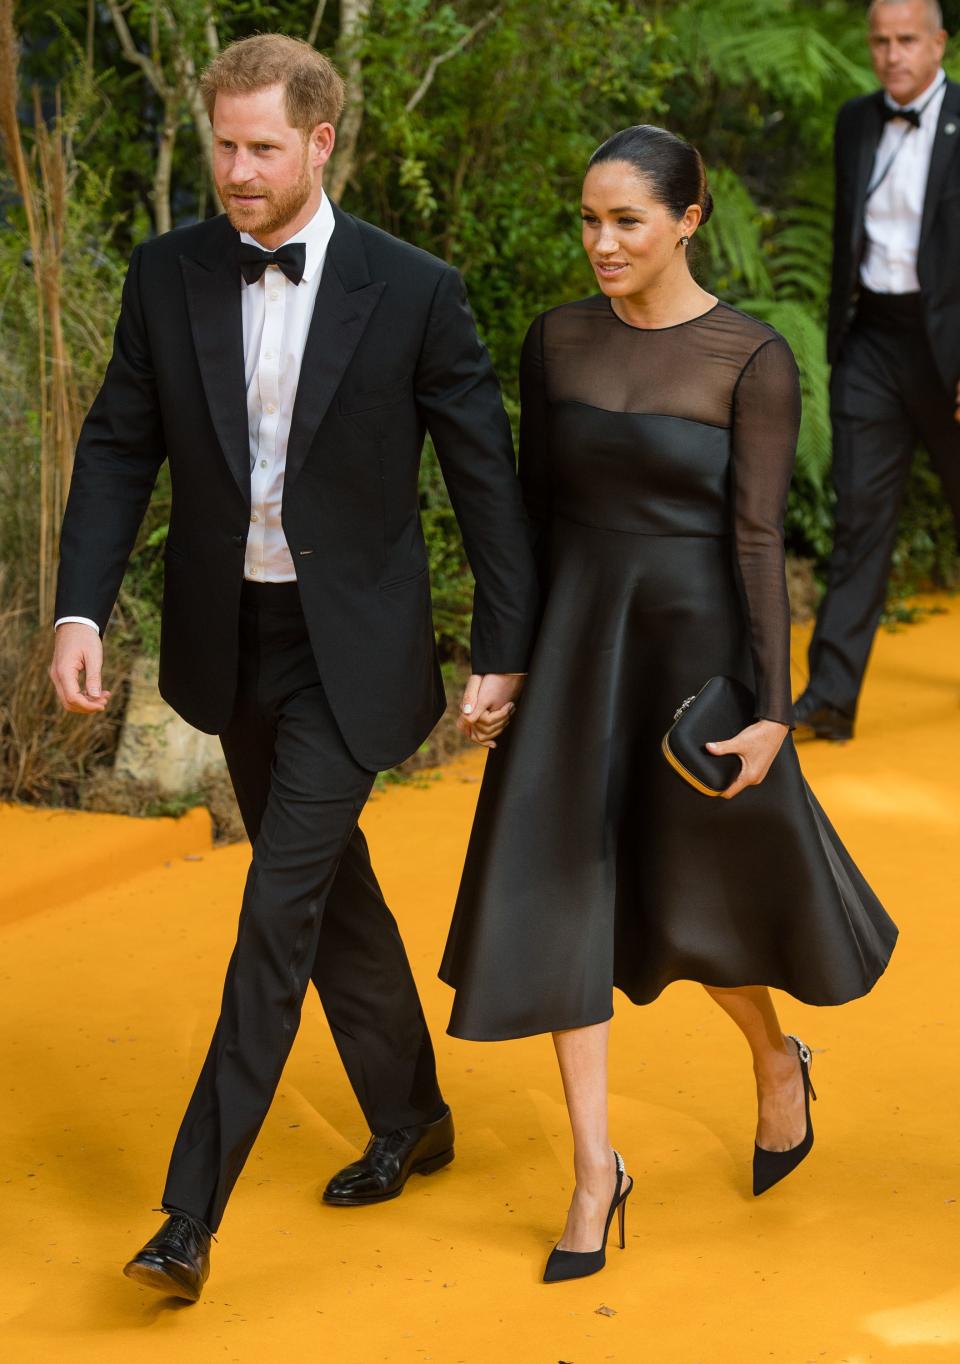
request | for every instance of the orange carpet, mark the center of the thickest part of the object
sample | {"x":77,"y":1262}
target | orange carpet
{"x":113,"y":938}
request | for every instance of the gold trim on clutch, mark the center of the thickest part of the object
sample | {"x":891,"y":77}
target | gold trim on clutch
{"x":678,"y":767}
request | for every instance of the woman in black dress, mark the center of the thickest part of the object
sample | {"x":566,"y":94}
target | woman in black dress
{"x":658,"y":433}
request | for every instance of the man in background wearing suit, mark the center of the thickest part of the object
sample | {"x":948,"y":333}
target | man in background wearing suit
{"x":893,"y":335}
{"x":287,"y":358}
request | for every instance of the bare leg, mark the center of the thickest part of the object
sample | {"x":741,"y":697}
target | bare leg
{"x":582,"y":1054}
{"x":781,"y":1115}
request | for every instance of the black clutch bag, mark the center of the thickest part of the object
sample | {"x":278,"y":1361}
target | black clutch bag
{"x":721,"y":708}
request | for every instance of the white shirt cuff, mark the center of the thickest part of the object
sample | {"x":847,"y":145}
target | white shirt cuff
{"x":77,"y":620}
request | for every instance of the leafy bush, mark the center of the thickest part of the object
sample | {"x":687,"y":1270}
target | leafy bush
{"x":474,"y":131}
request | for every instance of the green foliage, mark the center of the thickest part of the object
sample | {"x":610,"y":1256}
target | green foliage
{"x":792,"y":52}
{"x":92,"y":275}
{"x":925,"y":549}
{"x":481,"y":162}
{"x":450,"y":580}
{"x":486,"y":169}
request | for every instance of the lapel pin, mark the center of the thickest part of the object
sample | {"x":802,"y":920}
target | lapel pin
{"x":949,"y":129}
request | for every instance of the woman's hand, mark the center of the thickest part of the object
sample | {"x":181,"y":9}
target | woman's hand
{"x":488,"y":726}
{"x":488,"y":705}
{"x":756,"y":747}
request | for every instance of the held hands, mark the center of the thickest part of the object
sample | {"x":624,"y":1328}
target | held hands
{"x":488,"y":705}
{"x":78,"y":649}
{"x":756,"y":747}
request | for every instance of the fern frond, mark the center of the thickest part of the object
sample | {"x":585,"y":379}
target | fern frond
{"x":780,"y":45}
{"x":804,"y":334}
{"x":801,"y":246}
{"x":735,"y":236}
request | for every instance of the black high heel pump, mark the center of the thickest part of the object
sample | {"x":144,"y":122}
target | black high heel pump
{"x":769,"y":1167}
{"x":577,"y":1264}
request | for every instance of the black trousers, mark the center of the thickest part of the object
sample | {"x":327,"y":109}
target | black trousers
{"x":312,"y":910}
{"x":886,"y":398}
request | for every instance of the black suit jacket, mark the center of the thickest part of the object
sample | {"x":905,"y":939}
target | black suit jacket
{"x":858,"y":130}
{"x":392,"y":351}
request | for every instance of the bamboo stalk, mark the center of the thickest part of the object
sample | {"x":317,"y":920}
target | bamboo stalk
{"x":17,"y":162}
{"x":55,"y":177}
{"x":53,"y":174}
{"x":43,"y":183}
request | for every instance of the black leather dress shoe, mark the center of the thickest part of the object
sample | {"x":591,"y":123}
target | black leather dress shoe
{"x":176,"y":1260}
{"x":388,"y":1162}
{"x":814,"y":719}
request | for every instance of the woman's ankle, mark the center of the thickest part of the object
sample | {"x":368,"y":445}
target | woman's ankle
{"x":777,"y":1066}
{"x":594,"y":1169}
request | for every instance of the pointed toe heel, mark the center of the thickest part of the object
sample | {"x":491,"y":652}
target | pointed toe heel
{"x":579,"y":1264}
{"x":770,"y":1167}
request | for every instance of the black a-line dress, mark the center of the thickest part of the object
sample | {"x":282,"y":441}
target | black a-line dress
{"x":655,"y":465}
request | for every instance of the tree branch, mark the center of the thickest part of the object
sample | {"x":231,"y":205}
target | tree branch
{"x":163,"y":171}
{"x":188,"y":84}
{"x":133,"y":54}
{"x":317,"y":21}
{"x":437,"y":62}
{"x":353,"y":16}
{"x":212,"y":35}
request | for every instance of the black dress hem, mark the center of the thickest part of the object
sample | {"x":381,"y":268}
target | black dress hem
{"x":466,"y":1036}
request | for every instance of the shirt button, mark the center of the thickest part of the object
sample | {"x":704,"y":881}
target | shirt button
{"x":268,"y":355}
{"x":271,"y":408}
{"x":263,"y":464}
{"x":254,"y":516}
{"x":254,"y":570}
{"x":274,"y":294}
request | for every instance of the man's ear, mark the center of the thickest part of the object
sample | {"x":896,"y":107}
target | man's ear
{"x":322,"y":141}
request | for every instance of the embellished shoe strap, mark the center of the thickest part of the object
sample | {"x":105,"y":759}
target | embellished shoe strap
{"x":803,"y":1051}
{"x":618,"y":1186}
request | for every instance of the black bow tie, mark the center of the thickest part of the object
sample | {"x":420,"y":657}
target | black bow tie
{"x":291,"y":259}
{"x":911,"y":116}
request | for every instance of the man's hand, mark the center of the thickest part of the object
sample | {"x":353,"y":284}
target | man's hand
{"x":756,"y":746}
{"x":487,"y":705}
{"x":78,"y":649}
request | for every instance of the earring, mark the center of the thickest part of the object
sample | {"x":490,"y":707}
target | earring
{"x":684,"y":241}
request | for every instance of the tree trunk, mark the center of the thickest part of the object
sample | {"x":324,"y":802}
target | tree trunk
{"x":163,"y":170}
{"x":353,"y":18}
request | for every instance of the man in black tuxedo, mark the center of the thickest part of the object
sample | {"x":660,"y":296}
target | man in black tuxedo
{"x":287,"y":359}
{"x":893,"y":336}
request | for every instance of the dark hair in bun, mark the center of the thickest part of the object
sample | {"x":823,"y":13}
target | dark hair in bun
{"x":673,"y":168}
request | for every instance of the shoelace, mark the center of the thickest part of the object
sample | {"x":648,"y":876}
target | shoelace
{"x":392,"y":1141}
{"x":183,"y":1225}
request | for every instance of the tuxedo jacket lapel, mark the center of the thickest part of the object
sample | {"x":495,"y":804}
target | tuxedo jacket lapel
{"x":212,"y":283}
{"x":944,"y":149}
{"x":870,"y":133}
{"x":346,"y":299}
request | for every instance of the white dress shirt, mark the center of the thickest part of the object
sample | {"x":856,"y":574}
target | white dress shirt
{"x":895,"y":209}
{"x":276,"y":317}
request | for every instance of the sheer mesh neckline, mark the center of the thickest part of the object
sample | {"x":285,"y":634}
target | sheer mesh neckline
{"x":673,"y":325}
{"x":690,"y":370}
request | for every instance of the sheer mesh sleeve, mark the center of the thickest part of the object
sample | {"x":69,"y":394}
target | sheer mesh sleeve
{"x":766,"y":419}
{"x":533,"y":462}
